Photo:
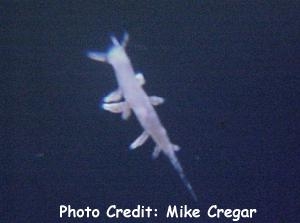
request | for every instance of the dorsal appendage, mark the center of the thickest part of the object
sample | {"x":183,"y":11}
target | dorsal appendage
{"x":102,"y":57}
{"x":114,"y":41}
{"x":125,"y":39}
{"x":123,"y":42}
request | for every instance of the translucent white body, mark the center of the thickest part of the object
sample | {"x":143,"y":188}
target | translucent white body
{"x":130,"y":96}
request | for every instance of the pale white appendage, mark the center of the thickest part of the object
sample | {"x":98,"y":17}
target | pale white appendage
{"x":139,"y":141}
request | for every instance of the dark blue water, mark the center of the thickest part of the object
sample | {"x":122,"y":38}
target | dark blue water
{"x":229,"y":72}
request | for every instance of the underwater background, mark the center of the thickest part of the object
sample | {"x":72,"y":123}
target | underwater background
{"x":229,"y":71}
